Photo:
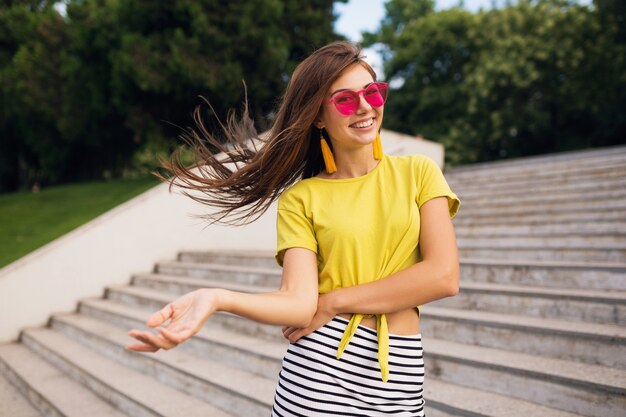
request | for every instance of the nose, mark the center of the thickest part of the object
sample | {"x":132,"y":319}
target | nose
{"x":364,"y":106}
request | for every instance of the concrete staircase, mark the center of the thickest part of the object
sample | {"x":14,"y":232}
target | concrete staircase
{"x":537,"y":329}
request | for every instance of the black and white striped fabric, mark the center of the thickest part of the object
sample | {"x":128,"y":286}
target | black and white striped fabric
{"x":313,"y":382}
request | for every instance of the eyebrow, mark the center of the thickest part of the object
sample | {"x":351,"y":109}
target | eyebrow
{"x":347,"y":89}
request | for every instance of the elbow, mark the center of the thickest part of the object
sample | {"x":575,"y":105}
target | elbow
{"x":303,"y":320}
{"x":453,"y":290}
{"x":451,"y":281}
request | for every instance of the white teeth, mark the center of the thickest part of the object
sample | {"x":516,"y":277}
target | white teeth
{"x":363,"y":124}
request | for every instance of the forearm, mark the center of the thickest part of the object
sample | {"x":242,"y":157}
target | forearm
{"x":284,"y":308}
{"x":418,"y":284}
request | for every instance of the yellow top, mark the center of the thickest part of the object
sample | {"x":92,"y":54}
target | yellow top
{"x":362,"y":229}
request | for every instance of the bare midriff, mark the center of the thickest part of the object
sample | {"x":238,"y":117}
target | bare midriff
{"x":404,"y":322}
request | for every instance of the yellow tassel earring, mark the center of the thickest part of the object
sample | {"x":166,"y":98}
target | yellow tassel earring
{"x":378,"y":148}
{"x":329,"y":160}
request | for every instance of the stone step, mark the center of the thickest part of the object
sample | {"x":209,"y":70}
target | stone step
{"x":582,"y":169}
{"x":237,"y":258}
{"x":540,"y":273}
{"x":565,"y":385}
{"x":603,"y":242}
{"x":502,"y":186}
{"x":181,"y":284}
{"x":495,"y":183}
{"x":244,"y":274}
{"x":535,"y":218}
{"x":251,"y":352}
{"x":131,"y":391}
{"x":602,"y":307}
{"x":547,"y":274}
{"x":540,"y":207}
{"x":12,"y":402}
{"x":529,"y":197}
{"x":543,"y":190}
{"x":226,"y":387}
{"x":52,"y":392}
{"x":598,"y":154}
{"x":587,"y":156}
{"x":590,"y":343}
{"x":535,"y":190}
{"x":513,"y":197}
{"x":599,"y":228}
{"x":448,"y":400}
{"x":471,"y":249}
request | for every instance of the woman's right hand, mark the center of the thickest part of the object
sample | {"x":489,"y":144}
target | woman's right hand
{"x":187,"y":314}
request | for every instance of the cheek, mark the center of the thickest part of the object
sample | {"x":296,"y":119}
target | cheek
{"x":325,"y":116}
{"x":332,"y":120}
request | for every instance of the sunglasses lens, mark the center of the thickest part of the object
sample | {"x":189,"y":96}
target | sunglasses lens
{"x":347,"y":102}
{"x":376,"y":94}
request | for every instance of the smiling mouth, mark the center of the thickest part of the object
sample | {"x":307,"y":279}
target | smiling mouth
{"x":364,"y":124}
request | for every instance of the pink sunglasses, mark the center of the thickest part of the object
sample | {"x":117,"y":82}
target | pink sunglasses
{"x":347,"y":102}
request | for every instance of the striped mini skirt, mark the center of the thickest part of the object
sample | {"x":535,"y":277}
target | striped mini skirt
{"x":313,"y":382}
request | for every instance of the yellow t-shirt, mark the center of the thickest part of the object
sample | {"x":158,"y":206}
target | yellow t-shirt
{"x":362,"y":229}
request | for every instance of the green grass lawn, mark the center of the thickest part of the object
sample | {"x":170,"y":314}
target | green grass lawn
{"x":30,"y":220}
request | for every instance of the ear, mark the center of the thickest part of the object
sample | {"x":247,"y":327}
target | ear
{"x":319,"y":123}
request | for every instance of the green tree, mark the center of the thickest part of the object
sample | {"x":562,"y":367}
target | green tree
{"x":29,"y":71}
{"x":88,"y":94}
{"x":533,"y":77}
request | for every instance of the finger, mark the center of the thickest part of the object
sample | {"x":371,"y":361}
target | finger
{"x":175,"y":337}
{"x":153,"y":340}
{"x":160,"y":316}
{"x":289,"y":331}
{"x":295,"y":336}
{"x":141,"y":348}
{"x":140,"y":336}
{"x":144,"y":346}
{"x":160,"y":342}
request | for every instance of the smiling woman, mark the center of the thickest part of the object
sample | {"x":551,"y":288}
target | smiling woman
{"x":364,"y":239}
{"x":352,"y":122}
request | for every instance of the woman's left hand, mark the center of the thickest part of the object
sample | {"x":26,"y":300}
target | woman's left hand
{"x":186,"y":316}
{"x":323,"y":315}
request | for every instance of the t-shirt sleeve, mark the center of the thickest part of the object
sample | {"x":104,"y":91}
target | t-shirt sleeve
{"x":431,"y":184}
{"x":293,"y":228}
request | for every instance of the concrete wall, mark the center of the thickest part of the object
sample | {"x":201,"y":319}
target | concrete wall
{"x":130,"y":238}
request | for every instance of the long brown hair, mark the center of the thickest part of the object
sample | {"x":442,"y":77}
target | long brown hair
{"x":242,"y":179}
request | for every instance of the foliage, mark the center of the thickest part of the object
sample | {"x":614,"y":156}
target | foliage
{"x":91,"y":93}
{"x":532,"y":77}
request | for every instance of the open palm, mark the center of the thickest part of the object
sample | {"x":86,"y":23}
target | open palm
{"x":186,"y":316}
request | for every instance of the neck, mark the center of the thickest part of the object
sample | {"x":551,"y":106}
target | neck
{"x":354,"y":163}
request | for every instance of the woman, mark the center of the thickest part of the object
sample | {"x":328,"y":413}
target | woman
{"x":348,"y":235}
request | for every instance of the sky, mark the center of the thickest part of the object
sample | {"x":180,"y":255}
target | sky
{"x":357,"y":16}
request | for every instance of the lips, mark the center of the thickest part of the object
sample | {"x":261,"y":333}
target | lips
{"x":363,"y":123}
